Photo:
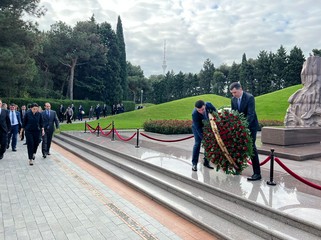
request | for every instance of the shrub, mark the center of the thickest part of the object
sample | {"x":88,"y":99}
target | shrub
{"x":168,"y":126}
{"x":267,"y":123}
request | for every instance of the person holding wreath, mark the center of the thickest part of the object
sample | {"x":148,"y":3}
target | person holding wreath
{"x":199,"y":114}
{"x":244,"y":103}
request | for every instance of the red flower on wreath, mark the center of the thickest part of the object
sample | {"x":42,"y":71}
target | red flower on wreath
{"x":234,"y":132}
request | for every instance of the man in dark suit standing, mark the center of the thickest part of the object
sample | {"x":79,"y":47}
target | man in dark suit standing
{"x":22,"y":111}
{"x":16,"y":124}
{"x":199,"y":114}
{"x":50,"y":119}
{"x":5,"y":126}
{"x":244,"y":103}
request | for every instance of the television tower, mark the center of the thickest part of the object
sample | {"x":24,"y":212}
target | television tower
{"x":164,"y":66}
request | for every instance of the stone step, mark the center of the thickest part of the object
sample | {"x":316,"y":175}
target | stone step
{"x":220,"y":212}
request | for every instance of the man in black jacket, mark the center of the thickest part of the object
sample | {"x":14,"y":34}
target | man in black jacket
{"x":5,"y":126}
{"x":244,"y":103}
{"x":199,"y":114}
{"x":50,"y":120}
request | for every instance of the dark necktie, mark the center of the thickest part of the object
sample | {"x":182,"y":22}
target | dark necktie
{"x":239,"y":104}
{"x":12,"y":118}
{"x":48,"y":114}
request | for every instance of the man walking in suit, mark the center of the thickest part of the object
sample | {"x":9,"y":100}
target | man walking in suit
{"x":199,"y":114}
{"x":22,"y":111}
{"x":5,"y":126}
{"x":244,"y":103}
{"x":50,"y":119}
{"x":16,"y":123}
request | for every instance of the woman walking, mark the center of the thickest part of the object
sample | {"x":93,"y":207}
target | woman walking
{"x":33,"y":126}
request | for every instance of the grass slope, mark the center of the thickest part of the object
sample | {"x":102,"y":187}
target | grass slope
{"x":270,"y":106}
{"x":273,"y":106}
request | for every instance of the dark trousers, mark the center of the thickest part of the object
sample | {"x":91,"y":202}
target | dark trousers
{"x":3,"y":142}
{"x":33,"y":139}
{"x":255,"y":159}
{"x":196,"y":147}
{"x":46,"y":142}
{"x":14,"y":135}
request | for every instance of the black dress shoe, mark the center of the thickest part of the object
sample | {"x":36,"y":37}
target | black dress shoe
{"x":48,"y":153}
{"x":206,"y":164}
{"x":14,"y":150}
{"x":254,"y":177}
{"x":44,"y":156}
{"x":194,"y":168}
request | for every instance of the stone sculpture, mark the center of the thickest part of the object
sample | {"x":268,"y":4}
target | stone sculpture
{"x":305,"y":104}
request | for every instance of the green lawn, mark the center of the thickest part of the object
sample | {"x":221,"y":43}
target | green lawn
{"x":270,"y":106}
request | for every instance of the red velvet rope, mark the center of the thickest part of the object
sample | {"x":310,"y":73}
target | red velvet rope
{"x":105,"y":134}
{"x":297,"y":176}
{"x":261,"y":163}
{"x":90,"y":128}
{"x":106,"y":127}
{"x":160,"y":140}
{"x":124,"y":139}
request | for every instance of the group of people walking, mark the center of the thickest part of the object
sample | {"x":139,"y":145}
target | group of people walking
{"x":34,"y":125}
{"x":70,"y":113}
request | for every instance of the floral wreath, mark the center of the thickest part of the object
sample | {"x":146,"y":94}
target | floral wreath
{"x":230,"y":149}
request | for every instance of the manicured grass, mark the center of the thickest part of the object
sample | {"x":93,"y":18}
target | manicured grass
{"x":273,"y":106}
{"x":270,"y":106}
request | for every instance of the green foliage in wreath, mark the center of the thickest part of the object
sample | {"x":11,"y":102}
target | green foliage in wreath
{"x":234,"y":132}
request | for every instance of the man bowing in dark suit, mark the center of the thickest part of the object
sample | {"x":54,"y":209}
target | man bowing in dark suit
{"x":199,"y":114}
{"x":50,"y":119}
{"x":244,"y":103}
{"x":5,"y":126}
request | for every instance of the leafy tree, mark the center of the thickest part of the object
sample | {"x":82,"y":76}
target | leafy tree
{"x":74,"y":47}
{"x":136,"y":81}
{"x":278,"y":67}
{"x":122,"y":57}
{"x":316,"y":52}
{"x":219,"y":83}
{"x":206,"y":76}
{"x":112,"y":71}
{"x":262,"y":73}
{"x":233,"y":75}
{"x":191,"y":85}
{"x":294,"y":67}
{"x":18,"y":46}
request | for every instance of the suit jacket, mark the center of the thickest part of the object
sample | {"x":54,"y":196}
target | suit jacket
{"x":50,"y":122}
{"x":21,"y":115}
{"x":5,"y":124}
{"x":247,"y":107}
{"x":198,"y":118}
{"x":18,"y":117}
{"x":32,"y":122}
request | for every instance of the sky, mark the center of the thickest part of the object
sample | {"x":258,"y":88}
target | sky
{"x":196,"y":30}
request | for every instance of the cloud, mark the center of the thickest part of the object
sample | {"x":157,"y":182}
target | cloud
{"x":195,"y":30}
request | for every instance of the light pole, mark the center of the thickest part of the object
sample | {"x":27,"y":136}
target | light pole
{"x":141,"y":97}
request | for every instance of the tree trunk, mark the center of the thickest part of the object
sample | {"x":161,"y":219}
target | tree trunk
{"x":71,"y":79}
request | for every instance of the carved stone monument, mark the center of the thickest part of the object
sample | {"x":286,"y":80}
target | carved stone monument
{"x":303,"y":117}
{"x":305,"y":104}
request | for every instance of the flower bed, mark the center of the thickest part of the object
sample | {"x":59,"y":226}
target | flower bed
{"x":233,"y":130}
{"x":168,"y":126}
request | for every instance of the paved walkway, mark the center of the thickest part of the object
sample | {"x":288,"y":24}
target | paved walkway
{"x":63,"y":197}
